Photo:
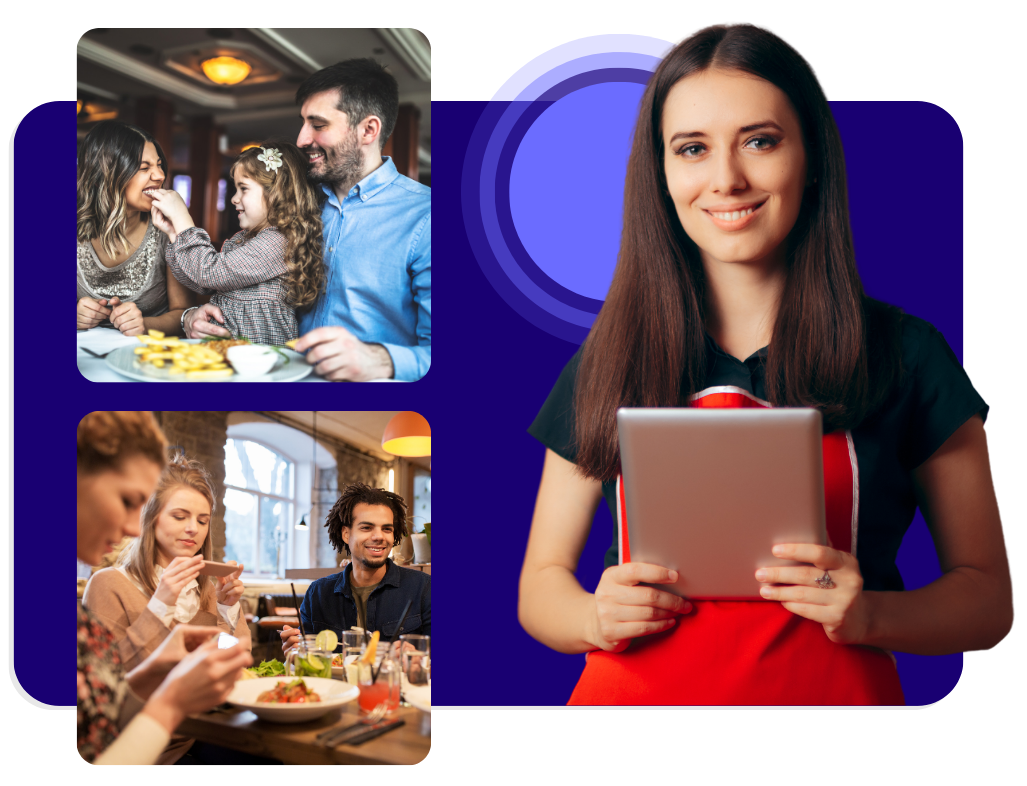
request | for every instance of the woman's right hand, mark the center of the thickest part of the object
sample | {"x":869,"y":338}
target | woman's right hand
{"x":91,"y":312}
{"x":290,"y":637}
{"x":625,"y":610}
{"x":145,"y":677}
{"x":203,"y":679}
{"x":176,"y":576}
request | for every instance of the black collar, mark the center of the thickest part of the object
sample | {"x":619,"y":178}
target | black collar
{"x":392,"y":578}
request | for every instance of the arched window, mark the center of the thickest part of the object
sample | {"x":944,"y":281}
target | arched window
{"x":259,"y":505}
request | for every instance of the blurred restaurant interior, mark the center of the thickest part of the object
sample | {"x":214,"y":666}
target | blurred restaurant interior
{"x":278,"y":474}
{"x":208,"y":94}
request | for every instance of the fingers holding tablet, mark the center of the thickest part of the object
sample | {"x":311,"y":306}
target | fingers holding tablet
{"x":626,"y":608}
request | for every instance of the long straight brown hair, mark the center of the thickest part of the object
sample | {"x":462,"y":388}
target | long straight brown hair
{"x":140,"y":558}
{"x":647,"y":346}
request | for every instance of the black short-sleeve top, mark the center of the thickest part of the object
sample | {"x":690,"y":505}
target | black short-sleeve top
{"x":933,"y":398}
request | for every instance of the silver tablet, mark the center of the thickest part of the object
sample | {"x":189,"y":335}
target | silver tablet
{"x":708,"y":492}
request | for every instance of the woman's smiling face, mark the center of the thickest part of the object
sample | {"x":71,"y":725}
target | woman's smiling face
{"x":149,"y":177}
{"x":735,"y":164}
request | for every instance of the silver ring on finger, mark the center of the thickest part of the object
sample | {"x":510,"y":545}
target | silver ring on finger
{"x":825,"y":581}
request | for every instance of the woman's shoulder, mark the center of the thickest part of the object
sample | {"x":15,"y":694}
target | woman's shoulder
{"x":108,"y":582}
{"x":887,"y":324}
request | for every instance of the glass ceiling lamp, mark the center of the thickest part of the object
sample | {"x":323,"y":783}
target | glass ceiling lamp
{"x":408,"y":434}
{"x":225,"y":70}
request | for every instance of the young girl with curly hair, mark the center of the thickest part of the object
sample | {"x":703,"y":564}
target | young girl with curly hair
{"x":271,"y":267}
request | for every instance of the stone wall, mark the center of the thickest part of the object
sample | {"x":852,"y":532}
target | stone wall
{"x":202,"y":436}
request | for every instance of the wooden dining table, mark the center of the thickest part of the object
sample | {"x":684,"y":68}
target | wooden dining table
{"x":295,"y":743}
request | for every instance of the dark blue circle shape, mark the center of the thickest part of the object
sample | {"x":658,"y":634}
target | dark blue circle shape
{"x":512,"y":144}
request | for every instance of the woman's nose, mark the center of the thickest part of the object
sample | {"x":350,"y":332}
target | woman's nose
{"x":728,"y":175}
{"x":130,"y":527}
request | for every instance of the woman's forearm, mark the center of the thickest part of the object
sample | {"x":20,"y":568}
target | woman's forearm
{"x":556,"y":610}
{"x":170,"y":323}
{"x":966,"y":609}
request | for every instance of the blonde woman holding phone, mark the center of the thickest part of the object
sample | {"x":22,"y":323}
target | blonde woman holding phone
{"x":158,"y":585}
{"x":128,"y":718}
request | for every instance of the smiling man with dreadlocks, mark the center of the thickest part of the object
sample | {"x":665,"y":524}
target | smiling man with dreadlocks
{"x":372,"y":590}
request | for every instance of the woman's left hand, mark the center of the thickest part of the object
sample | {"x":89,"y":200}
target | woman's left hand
{"x":230,"y":588}
{"x":841,"y":609}
{"x":126,"y":317}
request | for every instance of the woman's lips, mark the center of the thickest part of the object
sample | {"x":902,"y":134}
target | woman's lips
{"x":733,"y":217}
{"x":188,"y":542}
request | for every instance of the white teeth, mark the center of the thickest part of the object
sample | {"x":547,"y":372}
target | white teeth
{"x":733,"y":216}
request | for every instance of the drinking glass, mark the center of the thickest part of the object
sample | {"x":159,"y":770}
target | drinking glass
{"x":415,"y":656}
{"x":383,"y":690}
{"x":352,"y":648}
{"x":307,"y":660}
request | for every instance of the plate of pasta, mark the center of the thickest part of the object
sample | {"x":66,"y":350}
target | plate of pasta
{"x":291,"y":700}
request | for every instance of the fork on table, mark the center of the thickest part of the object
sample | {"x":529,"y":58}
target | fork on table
{"x":96,"y":354}
{"x":333,"y":736}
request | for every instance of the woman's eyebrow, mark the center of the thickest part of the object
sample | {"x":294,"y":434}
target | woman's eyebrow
{"x":189,"y":512}
{"x":742,"y":130}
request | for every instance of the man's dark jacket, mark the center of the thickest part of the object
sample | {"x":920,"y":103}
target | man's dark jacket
{"x":329,"y":603}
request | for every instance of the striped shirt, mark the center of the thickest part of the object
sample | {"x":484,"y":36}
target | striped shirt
{"x":245,"y":279}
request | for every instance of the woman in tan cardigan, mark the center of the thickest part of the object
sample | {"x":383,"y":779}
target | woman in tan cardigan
{"x":157,"y":584}
{"x":128,"y":718}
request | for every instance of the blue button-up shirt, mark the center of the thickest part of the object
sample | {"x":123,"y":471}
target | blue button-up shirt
{"x":377,"y":250}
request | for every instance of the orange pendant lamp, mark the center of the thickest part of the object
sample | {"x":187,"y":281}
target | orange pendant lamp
{"x":408,"y":434}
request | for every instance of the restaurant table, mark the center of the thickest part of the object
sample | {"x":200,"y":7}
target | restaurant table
{"x":294,"y":743}
{"x":103,"y":340}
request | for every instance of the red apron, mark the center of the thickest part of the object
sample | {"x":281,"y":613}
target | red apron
{"x":749,"y":652}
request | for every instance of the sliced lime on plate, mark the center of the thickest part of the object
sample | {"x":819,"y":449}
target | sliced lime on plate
{"x":327,"y":641}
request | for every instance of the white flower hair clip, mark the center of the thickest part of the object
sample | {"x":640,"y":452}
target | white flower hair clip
{"x":271,"y":157}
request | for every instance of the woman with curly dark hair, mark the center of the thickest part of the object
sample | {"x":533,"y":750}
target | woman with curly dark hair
{"x":273,"y":265}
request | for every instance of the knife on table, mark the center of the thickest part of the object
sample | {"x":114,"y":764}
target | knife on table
{"x":355,"y":736}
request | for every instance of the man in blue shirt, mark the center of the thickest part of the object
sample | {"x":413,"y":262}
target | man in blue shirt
{"x":373,"y":320}
{"x":372,"y":591}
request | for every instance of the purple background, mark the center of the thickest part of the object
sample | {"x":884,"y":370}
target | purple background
{"x":919,"y":270}
{"x":50,"y":397}
{"x":485,"y":387}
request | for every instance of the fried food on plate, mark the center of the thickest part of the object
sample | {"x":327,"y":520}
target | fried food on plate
{"x":195,"y":361}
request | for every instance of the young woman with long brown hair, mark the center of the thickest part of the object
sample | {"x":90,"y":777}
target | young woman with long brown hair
{"x":128,"y":718}
{"x":736,"y":286}
{"x":157,"y":584}
{"x":122,"y":276}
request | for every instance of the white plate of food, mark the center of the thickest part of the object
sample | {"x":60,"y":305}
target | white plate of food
{"x":275,"y":699}
{"x":418,"y":696}
{"x":160,"y":359}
